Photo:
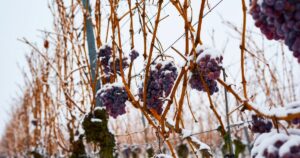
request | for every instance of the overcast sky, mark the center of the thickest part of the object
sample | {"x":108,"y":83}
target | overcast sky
{"x":18,"y":19}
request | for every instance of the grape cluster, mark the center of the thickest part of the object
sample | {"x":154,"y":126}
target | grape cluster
{"x":160,"y":82}
{"x":279,"y":20}
{"x":260,"y":125}
{"x":113,"y":97}
{"x":208,"y":65}
{"x":277,"y":145}
{"x":117,"y":62}
{"x":133,"y":55}
{"x":106,"y":60}
{"x":294,"y":106}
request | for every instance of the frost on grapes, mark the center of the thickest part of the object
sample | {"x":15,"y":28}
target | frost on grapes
{"x":105,"y":57}
{"x":161,"y":79}
{"x":279,"y":20}
{"x":283,"y":144}
{"x":260,"y":125}
{"x":206,"y":70}
{"x":113,"y":97}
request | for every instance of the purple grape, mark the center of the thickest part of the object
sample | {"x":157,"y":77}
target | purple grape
{"x":269,"y":2}
{"x":277,"y":144}
{"x":160,"y":82}
{"x":124,"y":64}
{"x":113,"y":97}
{"x":260,"y":125}
{"x":279,"y":20}
{"x":133,"y":55}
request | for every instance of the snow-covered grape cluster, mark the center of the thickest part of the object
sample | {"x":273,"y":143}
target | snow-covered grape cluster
{"x":160,"y":82}
{"x":282,"y":144}
{"x":106,"y":60}
{"x":291,"y":108}
{"x":113,"y":97}
{"x":260,"y":125}
{"x":209,"y":65}
{"x":279,"y":20}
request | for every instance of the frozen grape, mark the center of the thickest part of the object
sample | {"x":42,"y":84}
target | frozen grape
{"x":106,"y":61}
{"x":208,"y":67}
{"x":113,"y":97}
{"x":277,"y":144}
{"x":279,"y":20}
{"x":260,"y":125}
{"x":160,"y":82}
{"x":133,"y":55}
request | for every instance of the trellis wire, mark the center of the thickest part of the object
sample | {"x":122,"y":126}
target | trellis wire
{"x":193,"y":134}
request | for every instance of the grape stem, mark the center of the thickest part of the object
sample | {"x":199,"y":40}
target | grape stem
{"x":212,"y":107}
{"x":244,"y":82}
{"x":150,"y":52}
{"x":198,"y":39}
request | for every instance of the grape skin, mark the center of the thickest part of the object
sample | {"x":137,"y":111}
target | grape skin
{"x":105,"y":58}
{"x":133,"y":55}
{"x":160,"y":82}
{"x":277,"y":144}
{"x":210,"y":69}
{"x":279,"y":20}
{"x":260,"y":125}
{"x":113,"y":97}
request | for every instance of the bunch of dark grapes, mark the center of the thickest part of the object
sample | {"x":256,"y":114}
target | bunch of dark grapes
{"x":133,"y":55}
{"x":277,"y":145}
{"x":279,"y":20}
{"x":117,"y":62}
{"x":160,"y":82}
{"x":294,"y":106}
{"x":113,"y":97}
{"x":260,"y":125}
{"x":106,"y":60}
{"x":104,"y":56}
{"x":206,"y":69}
